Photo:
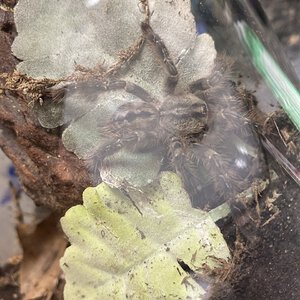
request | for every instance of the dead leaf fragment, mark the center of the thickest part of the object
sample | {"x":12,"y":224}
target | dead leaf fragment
{"x":42,"y":248}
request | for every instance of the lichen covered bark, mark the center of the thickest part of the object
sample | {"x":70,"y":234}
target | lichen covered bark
{"x":50,"y":175}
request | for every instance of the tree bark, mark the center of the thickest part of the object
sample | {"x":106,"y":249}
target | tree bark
{"x":50,"y":174}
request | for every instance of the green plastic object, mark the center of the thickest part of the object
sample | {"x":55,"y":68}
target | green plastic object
{"x":282,"y":88}
{"x":125,"y":248}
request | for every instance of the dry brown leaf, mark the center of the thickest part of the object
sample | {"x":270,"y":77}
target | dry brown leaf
{"x":42,"y":248}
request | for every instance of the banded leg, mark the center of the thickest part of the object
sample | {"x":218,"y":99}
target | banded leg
{"x":219,"y":75}
{"x":164,"y":55}
{"x":131,"y":88}
{"x":201,"y":185}
{"x":135,"y":141}
{"x":196,"y":181}
{"x":57,"y":94}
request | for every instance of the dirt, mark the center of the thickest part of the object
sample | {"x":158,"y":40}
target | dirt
{"x":284,"y":17}
{"x":9,"y":288}
{"x":269,"y":268}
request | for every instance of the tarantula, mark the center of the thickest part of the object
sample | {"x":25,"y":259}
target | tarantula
{"x":201,"y":130}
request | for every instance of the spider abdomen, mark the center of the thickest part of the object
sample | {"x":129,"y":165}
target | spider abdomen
{"x":136,"y":116}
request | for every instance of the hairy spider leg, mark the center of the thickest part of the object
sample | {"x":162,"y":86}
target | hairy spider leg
{"x":57,"y":95}
{"x":116,"y":141}
{"x":131,"y":88}
{"x":191,"y":171}
{"x":220,"y":74}
{"x":224,"y":151}
{"x":164,"y":56}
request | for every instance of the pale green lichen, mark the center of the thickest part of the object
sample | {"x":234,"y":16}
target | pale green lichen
{"x":120,"y":250}
{"x":54,"y":35}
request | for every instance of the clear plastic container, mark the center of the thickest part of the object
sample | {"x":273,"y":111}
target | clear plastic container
{"x":171,"y":110}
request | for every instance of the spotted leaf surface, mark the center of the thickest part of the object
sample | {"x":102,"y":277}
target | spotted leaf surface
{"x":120,"y":250}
